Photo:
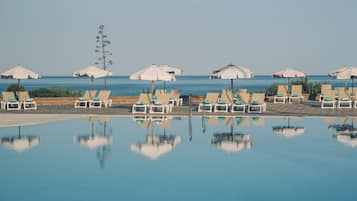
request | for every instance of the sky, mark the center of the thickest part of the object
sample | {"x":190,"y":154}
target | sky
{"x":58,"y":37}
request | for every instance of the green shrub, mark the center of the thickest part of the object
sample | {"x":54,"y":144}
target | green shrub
{"x":271,"y":90}
{"x":15,"y":87}
{"x":54,"y":92}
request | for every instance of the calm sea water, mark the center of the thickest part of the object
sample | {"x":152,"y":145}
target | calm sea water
{"x":170,"y":161}
{"x":195,"y":85}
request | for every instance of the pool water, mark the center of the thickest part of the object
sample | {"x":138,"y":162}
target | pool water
{"x":180,"y":158}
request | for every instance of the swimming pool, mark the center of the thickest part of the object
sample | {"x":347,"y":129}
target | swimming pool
{"x":180,"y":158}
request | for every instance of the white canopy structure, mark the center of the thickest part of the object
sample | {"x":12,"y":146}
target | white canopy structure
{"x":289,"y":73}
{"x":19,"y":73}
{"x":156,"y":146}
{"x":152,"y":73}
{"x":289,"y":131}
{"x":170,"y":69}
{"x":92,"y":72}
{"x":232,"y":72}
{"x":345,"y":73}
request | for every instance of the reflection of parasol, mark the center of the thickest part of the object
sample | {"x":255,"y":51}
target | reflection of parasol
{"x":346,"y":133}
{"x":156,"y":145}
{"x":231,"y":142}
{"x":289,"y":131}
{"x":97,"y":142}
{"x":20,"y":143}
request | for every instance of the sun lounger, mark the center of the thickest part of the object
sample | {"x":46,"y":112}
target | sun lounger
{"x":328,"y":100}
{"x":344,"y":100}
{"x":142,"y":104}
{"x":160,"y":105}
{"x":82,"y":102}
{"x":174,"y":98}
{"x":207,"y":104}
{"x":9,"y":102}
{"x":241,"y":102}
{"x":257,"y":104}
{"x":324,"y":88}
{"x":101,"y":100}
{"x":353,"y":96}
{"x":224,"y":101}
{"x":296,"y":94}
{"x":281,"y":95}
{"x":26,"y":101}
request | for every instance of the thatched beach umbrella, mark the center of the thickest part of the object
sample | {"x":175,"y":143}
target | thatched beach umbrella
{"x":19,"y":73}
{"x":152,"y":73}
{"x":345,"y":73}
{"x":92,"y":72}
{"x":171,"y":70}
{"x":289,"y":73}
{"x":232,"y":72}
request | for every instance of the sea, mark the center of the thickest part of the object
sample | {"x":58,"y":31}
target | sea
{"x":188,"y":85}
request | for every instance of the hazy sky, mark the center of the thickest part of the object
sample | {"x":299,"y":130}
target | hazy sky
{"x":58,"y":37}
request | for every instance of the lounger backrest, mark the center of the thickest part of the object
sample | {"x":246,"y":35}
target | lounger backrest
{"x":159,"y":91}
{"x":163,"y":98}
{"x":212,"y":97}
{"x":258,"y":97}
{"x":145,"y":98}
{"x":325,"y":87}
{"x":6,"y":95}
{"x":227,"y":96}
{"x":353,"y":92}
{"x":330,"y":94}
{"x":89,"y":94}
{"x":23,"y":95}
{"x":175,"y":94}
{"x":244,"y":96}
{"x":104,"y":94}
{"x":283,"y":90}
{"x":296,"y":89}
{"x":342,"y":93}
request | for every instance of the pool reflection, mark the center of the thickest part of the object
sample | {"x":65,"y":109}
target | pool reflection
{"x":20,"y":143}
{"x":99,"y":142}
{"x":288,"y":130}
{"x":346,"y":132}
{"x":155,"y":145}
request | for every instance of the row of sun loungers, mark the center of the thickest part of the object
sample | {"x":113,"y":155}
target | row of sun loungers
{"x":90,"y":100}
{"x":243,"y":102}
{"x":10,"y":102}
{"x":283,"y":96}
{"x":338,"y":97}
{"x":162,"y":102}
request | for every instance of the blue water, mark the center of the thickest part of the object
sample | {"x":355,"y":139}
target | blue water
{"x":309,"y":166}
{"x":195,"y":85}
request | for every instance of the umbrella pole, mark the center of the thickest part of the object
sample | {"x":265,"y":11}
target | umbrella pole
{"x":152,"y":87}
{"x":18,"y":84}
{"x":352,"y":88}
{"x":165,"y":86}
{"x":92,"y":82}
{"x":232,"y":85}
{"x":19,"y":131}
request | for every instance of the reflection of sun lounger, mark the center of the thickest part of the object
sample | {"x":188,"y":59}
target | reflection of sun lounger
{"x":282,"y":94}
{"x":257,"y":121}
{"x":9,"y":102}
{"x":208,"y":102}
